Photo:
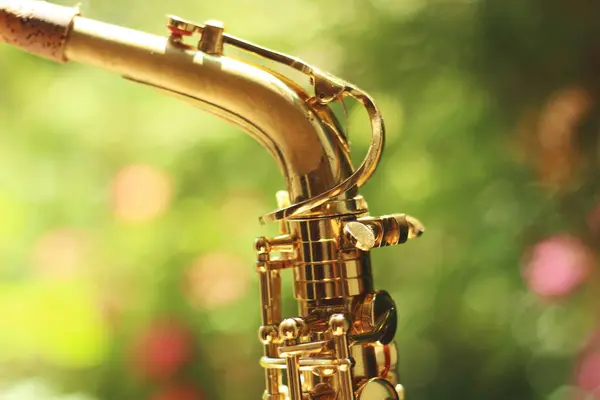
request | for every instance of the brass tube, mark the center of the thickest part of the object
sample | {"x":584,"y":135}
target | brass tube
{"x":328,"y":233}
{"x":303,"y":139}
{"x":339,"y":326}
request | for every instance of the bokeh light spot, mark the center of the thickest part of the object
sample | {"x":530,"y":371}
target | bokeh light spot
{"x":60,"y":253}
{"x":140,"y":193}
{"x":178,"y":392}
{"x":557,"y":265}
{"x":163,"y":349}
{"x":588,"y":372}
{"x":557,"y":124}
{"x":216,"y":279}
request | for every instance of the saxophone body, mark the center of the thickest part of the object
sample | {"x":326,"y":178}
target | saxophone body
{"x":340,"y":345}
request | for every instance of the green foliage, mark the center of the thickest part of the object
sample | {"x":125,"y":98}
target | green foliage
{"x":80,"y":284}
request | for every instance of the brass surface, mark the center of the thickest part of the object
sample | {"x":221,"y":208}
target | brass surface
{"x":375,"y":360}
{"x":377,"y":389}
{"x":340,"y":345}
{"x":375,"y":318}
{"x":276,"y":113}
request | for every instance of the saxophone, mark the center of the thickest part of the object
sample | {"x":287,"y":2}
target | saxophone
{"x":340,"y":346}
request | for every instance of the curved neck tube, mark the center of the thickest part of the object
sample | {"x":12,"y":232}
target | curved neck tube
{"x":303,"y":139}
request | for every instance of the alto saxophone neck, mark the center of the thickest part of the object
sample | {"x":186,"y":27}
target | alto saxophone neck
{"x":340,"y":346}
{"x":276,"y":112}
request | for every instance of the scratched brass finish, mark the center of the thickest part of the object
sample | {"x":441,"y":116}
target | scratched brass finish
{"x":340,"y":344}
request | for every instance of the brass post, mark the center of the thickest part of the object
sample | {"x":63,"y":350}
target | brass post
{"x":339,"y":326}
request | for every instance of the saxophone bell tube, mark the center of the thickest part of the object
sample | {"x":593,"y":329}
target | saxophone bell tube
{"x":340,"y":345}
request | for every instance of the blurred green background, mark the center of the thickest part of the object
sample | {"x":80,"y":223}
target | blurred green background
{"x":127,"y":218}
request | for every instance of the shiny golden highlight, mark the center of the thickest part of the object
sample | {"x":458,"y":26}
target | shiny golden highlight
{"x":340,"y":345}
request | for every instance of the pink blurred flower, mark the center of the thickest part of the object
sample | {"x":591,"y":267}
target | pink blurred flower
{"x":216,"y":279}
{"x":588,"y":371}
{"x":163,"y":349}
{"x":178,"y":392}
{"x":60,"y":253}
{"x":557,"y":265}
{"x":141,"y":192}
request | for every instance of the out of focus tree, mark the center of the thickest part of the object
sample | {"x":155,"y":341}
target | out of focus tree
{"x":118,"y":206}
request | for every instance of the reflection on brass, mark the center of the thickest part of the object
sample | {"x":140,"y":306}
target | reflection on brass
{"x":400,"y":391}
{"x":374,"y":318}
{"x":375,"y":359}
{"x":340,"y":345}
{"x":360,"y":235}
{"x":377,"y":389}
{"x":387,"y":230}
{"x":323,"y":391}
